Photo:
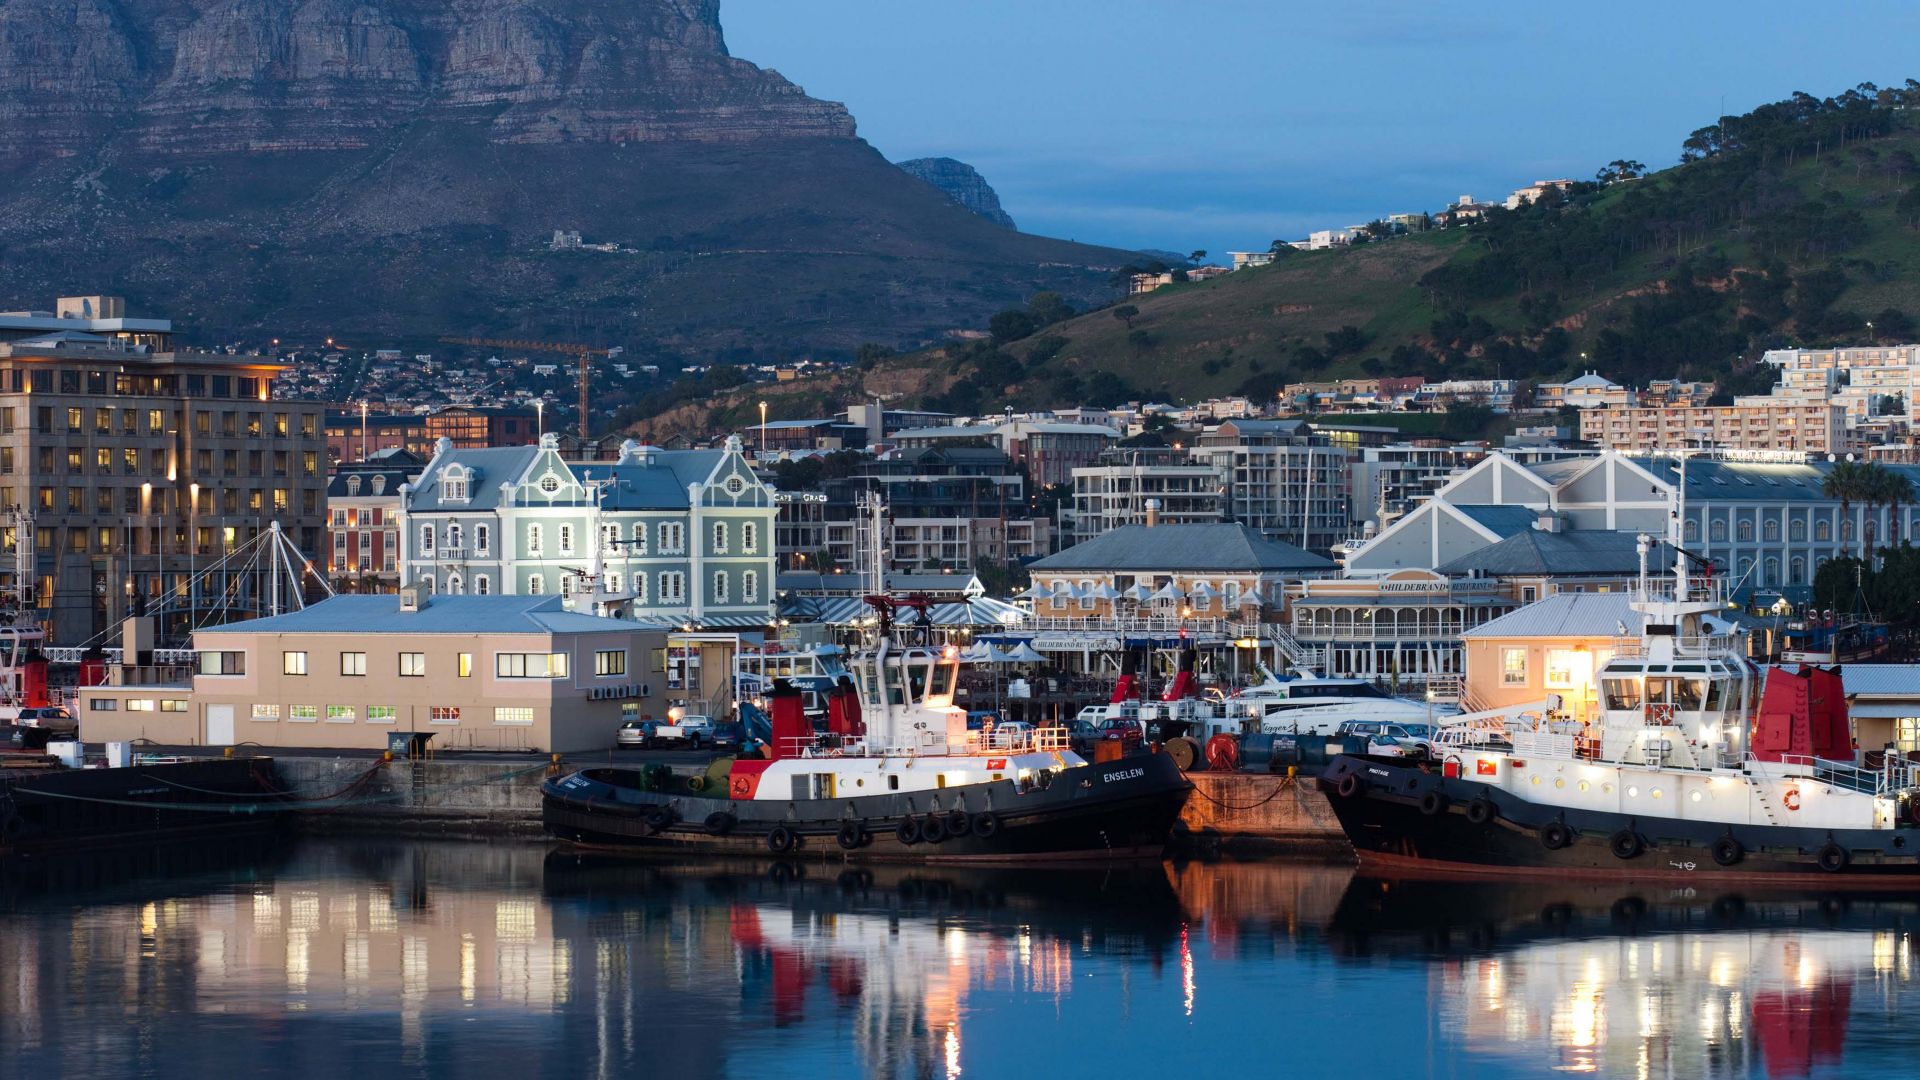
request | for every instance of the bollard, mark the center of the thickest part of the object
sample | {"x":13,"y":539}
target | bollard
{"x":227,"y":753}
{"x":553,"y":764}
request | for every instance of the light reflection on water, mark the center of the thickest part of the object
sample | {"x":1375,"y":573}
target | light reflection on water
{"x":371,"y":958}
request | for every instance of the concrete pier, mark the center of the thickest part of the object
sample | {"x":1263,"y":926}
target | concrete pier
{"x":1247,"y":813}
{"x":468,"y":797}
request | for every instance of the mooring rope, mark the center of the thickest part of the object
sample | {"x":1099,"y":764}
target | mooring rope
{"x":324,"y":804}
{"x":1285,"y":783}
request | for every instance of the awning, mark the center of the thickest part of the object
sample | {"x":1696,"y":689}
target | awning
{"x":1885,"y":710}
{"x":732,"y":622}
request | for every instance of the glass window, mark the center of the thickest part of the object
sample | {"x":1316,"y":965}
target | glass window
{"x":530,"y":665}
{"x":293,"y":663}
{"x":382,"y":714}
{"x":341,"y":714}
{"x":465,"y":665}
{"x":353,"y":663}
{"x":512,"y":714}
{"x":610,"y":662}
{"x":266,"y":712}
{"x":303,"y":714}
{"x":444,"y":714}
{"x":413,"y":664}
{"x":1513,"y":667}
{"x":223,"y":663}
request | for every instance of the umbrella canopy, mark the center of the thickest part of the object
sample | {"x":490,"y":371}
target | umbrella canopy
{"x":1025,"y":653}
{"x":1070,"y":591}
{"x":1034,"y":592}
{"x":1104,"y":591}
{"x":1252,"y":598}
{"x":1202,"y":593}
{"x":1139,"y":594}
{"x":1168,"y":592}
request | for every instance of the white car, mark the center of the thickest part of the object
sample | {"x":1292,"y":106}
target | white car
{"x":1386,"y":739}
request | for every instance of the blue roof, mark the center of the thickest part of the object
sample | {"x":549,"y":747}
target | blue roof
{"x":492,"y":467}
{"x":1502,"y":520}
{"x":381,"y":614}
{"x":1228,"y":546}
{"x":1581,"y":551}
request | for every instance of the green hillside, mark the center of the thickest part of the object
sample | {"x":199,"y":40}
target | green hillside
{"x":1792,"y":224}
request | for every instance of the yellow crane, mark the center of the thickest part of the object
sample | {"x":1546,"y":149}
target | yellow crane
{"x":581,"y":353}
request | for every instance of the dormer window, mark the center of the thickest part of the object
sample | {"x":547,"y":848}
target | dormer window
{"x":379,"y":483}
{"x":735,"y":486}
{"x":453,"y":484}
{"x":353,"y":485}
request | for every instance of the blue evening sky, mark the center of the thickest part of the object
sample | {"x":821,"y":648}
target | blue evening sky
{"x":1226,"y":124}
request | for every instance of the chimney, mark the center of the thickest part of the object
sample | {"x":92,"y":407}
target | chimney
{"x":1549,"y":522}
{"x":1153,"y":512}
{"x":413,"y":598}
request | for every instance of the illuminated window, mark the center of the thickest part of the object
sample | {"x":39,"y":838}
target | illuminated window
{"x":512,"y":714}
{"x":293,"y":663}
{"x":341,"y":714}
{"x":382,"y":714}
{"x":1513,"y":667}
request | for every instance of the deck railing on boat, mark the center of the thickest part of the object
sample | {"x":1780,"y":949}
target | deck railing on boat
{"x":1894,"y":775}
{"x":1049,"y":739}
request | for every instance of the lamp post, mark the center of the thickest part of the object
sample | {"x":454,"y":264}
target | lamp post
{"x":363,"y":431}
{"x":763,"y":426}
{"x":193,"y":550}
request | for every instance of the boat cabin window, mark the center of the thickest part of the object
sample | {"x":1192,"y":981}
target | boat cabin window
{"x":1716,"y":695}
{"x":943,"y":678}
{"x":1334,"y":690}
{"x":1622,"y":693}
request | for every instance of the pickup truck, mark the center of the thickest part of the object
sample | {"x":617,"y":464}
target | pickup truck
{"x":1392,"y":740}
{"x":691,"y":730}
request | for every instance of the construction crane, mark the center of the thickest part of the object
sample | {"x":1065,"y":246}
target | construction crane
{"x":581,"y":353}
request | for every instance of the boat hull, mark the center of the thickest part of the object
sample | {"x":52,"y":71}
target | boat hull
{"x":64,"y":809}
{"x":1115,"y":811}
{"x":1392,"y":825}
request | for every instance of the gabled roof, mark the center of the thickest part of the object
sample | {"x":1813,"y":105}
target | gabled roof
{"x":1576,"y":552}
{"x":1565,"y":615}
{"x":1503,"y":521}
{"x":493,"y":466}
{"x":377,"y":613}
{"x":1227,"y":546}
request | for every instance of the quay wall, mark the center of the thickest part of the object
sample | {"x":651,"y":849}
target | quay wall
{"x":435,"y":797}
{"x":1259,"y":813}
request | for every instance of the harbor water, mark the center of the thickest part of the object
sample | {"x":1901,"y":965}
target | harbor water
{"x":348,"y":956}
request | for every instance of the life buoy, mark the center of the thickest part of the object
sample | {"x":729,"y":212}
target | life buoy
{"x":1728,"y":851}
{"x":1791,"y":800}
{"x":1555,"y":835}
{"x":1434,"y":803}
{"x":986,"y":823}
{"x":781,"y":840}
{"x":853,"y":834}
{"x":742,"y":787}
{"x":908,"y":831}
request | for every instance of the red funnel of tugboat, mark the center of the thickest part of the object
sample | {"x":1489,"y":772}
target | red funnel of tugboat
{"x":1183,"y":681}
{"x":843,"y":709}
{"x":1803,"y":713}
{"x":788,"y":715}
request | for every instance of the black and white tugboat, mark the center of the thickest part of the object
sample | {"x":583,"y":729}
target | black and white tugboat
{"x":897,"y":775}
{"x":1691,"y":771}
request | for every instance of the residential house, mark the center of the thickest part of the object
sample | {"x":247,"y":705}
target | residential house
{"x":1550,"y":647}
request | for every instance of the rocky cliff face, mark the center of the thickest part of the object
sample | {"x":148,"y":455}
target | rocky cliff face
{"x":210,"y":76}
{"x":963,"y":183}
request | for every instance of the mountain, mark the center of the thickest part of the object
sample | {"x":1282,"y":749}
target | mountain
{"x":388,"y":170}
{"x":963,"y":183}
{"x":1793,"y":224}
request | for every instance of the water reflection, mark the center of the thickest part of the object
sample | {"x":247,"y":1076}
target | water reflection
{"x":378,"y":958}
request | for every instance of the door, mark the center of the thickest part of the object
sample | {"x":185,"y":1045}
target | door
{"x":219,"y":725}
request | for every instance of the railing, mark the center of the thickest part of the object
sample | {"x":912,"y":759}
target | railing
{"x":1095,"y":622}
{"x":1049,"y":739}
{"x":1684,"y":645}
{"x":1896,"y":774}
{"x":1446,"y":688}
{"x":74,"y":654}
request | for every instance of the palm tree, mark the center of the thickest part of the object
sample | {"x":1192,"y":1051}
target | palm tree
{"x":1871,"y":484}
{"x":1889,"y":489}
{"x":1847,"y":482}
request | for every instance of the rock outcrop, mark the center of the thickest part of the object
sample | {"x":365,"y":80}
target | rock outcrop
{"x":962,"y":183}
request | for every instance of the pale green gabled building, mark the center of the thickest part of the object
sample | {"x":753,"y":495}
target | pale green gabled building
{"x":682,"y":535}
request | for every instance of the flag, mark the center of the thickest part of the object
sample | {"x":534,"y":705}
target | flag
{"x":1484,"y":767}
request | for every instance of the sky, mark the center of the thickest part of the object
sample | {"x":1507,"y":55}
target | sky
{"x":1228,"y":124}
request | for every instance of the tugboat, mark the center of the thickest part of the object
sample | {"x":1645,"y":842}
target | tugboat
{"x":1682,"y":776}
{"x":897,"y":775}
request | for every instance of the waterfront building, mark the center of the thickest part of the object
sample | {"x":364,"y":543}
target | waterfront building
{"x":1113,"y":494}
{"x":1400,"y":629}
{"x":1550,"y":647}
{"x":1216,"y":571}
{"x":363,"y":520}
{"x":1389,"y":481}
{"x":1283,"y":478}
{"x":134,"y":463}
{"x":1763,"y":519}
{"x":948,"y":507}
{"x":532,"y":673}
{"x":680,"y":535}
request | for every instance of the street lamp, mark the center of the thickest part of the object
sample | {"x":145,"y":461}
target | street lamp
{"x":763,"y":425}
{"x":540,"y":417}
{"x":1871,"y":339}
{"x":363,"y":431}
{"x":193,"y":549}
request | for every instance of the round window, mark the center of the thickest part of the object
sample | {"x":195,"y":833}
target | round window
{"x":735,"y":485}
{"x":549,"y":483}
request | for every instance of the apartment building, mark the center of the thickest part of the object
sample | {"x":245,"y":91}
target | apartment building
{"x":948,"y":506}
{"x":683,"y":535}
{"x":1809,"y":427}
{"x":363,"y":521}
{"x":355,"y":436}
{"x":1589,"y":391}
{"x":131,"y":464}
{"x":1113,"y":494}
{"x":483,"y":672}
{"x":1283,"y":479}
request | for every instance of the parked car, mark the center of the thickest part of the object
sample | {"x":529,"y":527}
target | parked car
{"x":1081,"y":735}
{"x":1129,"y":733}
{"x":635,"y":733}
{"x":52,"y":717}
{"x":729,"y":736}
{"x":1391,"y":740}
{"x":691,"y":729}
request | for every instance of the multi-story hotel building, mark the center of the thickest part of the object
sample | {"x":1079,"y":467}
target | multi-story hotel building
{"x":682,"y":535}
{"x":363,"y":520}
{"x":131,"y":465}
{"x":1283,"y":478}
{"x":1814,"y":427}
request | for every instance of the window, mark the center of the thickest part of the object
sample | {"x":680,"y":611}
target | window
{"x":530,"y":665}
{"x":1529,"y":593}
{"x":673,"y":587}
{"x":609,"y":537}
{"x":512,"y":714}
{"x":481,"y":586}
{"x":105,"y":704}
{"x":750,"y":537}
{"x":303,"y":714}
{"x":1906,"y":734}
{"x":1086,"y":595}
{"x":534,"y":538}
{"x":1744,"y":530}
{"x":750,"y":587}
{"x":639,"y":584}
{"x":549,"y":483}
{"x":719,"y":538}
{"x":1569,"y":669}
{"x":341,"y":714}
{"x":453,"y":485}
{"x":464,"y":665}
{"x":481,"y":536}
{"x":382,"y":714}
{"x":536,"y":584}
{"x":610,"y":662}
{"x":426,"y":539}
{"x":639,"y":545}
{"x":140,"y":705}
{"x":453,"y":537}
{"x":293,"y":663}
{"x":1513,"y":667}
{"x":566,"y":539}
{"x":673,"y":537}
{"x":1717,"y":530}
{"x":720,"y":587}
{"x":353,"y":663}
{"x":413,"y":664}
{"x":266,"y":712}
{"x":223,"y":663}
{"x":444,"y":714}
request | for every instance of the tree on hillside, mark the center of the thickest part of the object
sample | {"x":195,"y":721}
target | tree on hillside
{"x":1125,"y":313}
{"x":1012,"y":325}
{"x":1909,"y":207}
{"x":1049,"y":308}
{"x":1197,"y":256}
{"x":1620,"y":169}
